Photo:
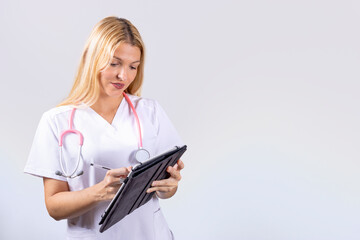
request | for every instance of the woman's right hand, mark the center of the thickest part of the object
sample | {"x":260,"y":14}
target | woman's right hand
{"x":111,"y":182}
{"x":62,"y":203}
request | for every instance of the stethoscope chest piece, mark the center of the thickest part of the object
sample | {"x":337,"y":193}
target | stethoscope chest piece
{"x":141,"y":155}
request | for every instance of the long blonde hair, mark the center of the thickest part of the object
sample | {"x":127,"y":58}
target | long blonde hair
{"x":100,"y":47}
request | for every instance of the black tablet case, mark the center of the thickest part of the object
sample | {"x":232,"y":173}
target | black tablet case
{"x":133,"y":194}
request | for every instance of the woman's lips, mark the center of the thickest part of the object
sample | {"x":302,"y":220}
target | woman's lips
{"x":118,"y":85}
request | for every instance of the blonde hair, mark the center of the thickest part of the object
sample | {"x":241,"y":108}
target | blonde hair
{"x":100,"y":47}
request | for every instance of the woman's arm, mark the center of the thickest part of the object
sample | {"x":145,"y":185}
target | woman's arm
{"x":167,"y":188}
{"x":61,"y":203}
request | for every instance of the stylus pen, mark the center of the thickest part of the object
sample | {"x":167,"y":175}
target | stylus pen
{"x":106,"y":168}
{"x":99,"y":166}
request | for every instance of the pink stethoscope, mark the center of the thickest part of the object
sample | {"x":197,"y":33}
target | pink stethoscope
{"x":141,"y":154}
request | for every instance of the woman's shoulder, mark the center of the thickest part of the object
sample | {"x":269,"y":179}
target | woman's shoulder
{"x":141,"y":102}
{"x":149,"y":107}
{"x":55,"y":112}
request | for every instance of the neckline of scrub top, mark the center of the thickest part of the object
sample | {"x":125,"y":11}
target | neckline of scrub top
{"x":113,"y":124}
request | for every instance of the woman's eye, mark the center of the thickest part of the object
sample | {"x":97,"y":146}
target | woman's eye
{"x":133,"y":68}
{"x":113,"y":64}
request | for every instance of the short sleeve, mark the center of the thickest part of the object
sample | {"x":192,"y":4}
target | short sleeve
{"x":43,"y":160}
{"x":167,"y":136}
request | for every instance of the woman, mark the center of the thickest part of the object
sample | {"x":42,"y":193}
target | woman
{"x":112,"y":63}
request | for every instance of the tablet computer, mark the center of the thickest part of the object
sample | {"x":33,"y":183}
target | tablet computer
{"x":132,"y":193}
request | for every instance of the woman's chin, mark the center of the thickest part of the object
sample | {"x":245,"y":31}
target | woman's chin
{"x":112,"y":95}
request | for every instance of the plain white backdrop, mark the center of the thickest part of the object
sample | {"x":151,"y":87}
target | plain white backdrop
{"x":264,"y":93}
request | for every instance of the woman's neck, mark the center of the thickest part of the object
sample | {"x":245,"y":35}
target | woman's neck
{"x":107,"y":107}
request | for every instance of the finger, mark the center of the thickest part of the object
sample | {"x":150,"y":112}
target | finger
{"x":118,"y":172}
{"x":115,"y":182}
{"x":150,"y":190}
{"x":160,"y":189}
{"x":122,"y":171}
{"x":180,"y":164}
{"x":165,"y":183}
{"x":111,"y":178}
{"x":174,"y":173}
{"x":176,"y":166}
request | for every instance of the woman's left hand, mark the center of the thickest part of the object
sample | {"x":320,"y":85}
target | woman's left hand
{"x":166,"y":188}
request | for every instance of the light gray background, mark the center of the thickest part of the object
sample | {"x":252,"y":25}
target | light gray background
{"x":264,"y":93}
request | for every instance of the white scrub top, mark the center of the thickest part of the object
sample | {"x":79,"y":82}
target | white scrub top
{"x":111,"y":145}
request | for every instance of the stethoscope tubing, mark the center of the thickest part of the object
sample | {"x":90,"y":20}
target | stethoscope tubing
{"x":81,"y":141}
{"x":136,"y":117}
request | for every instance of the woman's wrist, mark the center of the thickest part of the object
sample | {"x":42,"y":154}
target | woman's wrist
{"x":98,"y":192}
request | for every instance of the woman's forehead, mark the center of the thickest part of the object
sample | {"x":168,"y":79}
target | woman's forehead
{"x":127,"y":51}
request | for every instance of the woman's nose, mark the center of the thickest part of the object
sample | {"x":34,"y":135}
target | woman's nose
{"x":122,"y":74}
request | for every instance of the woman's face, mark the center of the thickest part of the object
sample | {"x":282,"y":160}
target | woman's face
{"x":121,"y":71}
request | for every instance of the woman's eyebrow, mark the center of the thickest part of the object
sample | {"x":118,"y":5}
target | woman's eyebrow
{"x":121,"y":60}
